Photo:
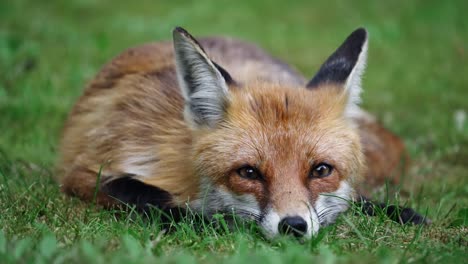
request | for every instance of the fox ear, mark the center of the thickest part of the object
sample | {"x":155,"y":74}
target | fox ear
{"x":203,"y":82}
{"x":345,"y":67}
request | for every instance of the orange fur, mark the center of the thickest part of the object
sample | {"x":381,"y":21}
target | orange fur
{"x":129,"y":120}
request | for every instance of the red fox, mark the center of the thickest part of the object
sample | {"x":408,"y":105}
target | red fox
{"x":220,"y":126}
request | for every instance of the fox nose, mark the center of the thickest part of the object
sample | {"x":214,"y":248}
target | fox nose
{"x":294,"y":225}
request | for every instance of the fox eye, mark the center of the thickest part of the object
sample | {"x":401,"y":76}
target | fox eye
{"x":321,"y":170}
{"x":249,"y":172}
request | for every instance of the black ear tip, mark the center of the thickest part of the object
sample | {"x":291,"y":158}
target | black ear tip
{"x":363,"y":30}
{"x":179,"y":31}
{"x":359,"y":35}
{"x":340,"y":64}
{"x":180,"y":34}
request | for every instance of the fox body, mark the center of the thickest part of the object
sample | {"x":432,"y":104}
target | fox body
{"x":220,"y":126}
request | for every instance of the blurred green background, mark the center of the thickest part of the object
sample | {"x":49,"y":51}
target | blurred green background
{"x":416,"y":83}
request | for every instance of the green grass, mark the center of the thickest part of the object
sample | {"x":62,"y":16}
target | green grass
{"x":416,"y":82}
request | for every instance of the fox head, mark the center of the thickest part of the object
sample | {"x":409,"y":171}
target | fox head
{"x":284,"y":156}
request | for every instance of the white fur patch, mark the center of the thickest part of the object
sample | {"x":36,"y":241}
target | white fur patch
{"x":328,"y":206}
{"x":220,"y":200}
{"x":270,"y":223}
{"x":141,"y":165}
{"x":314,"y":225}
{"x":353,"y":83}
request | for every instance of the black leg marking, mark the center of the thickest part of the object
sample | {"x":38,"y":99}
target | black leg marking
{"x":402,"y":215}
{"x":143,"y":197}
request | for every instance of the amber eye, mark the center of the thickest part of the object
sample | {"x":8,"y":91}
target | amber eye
{"x":249,"y":172}
{"x":321,"y":170}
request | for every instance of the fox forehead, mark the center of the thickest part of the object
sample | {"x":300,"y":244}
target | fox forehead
{"x":289,"y":123}
{"x":285,"y":108}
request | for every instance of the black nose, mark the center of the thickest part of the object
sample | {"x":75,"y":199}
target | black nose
{"x":294,"y":225}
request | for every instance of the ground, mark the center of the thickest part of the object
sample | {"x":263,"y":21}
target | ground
{"x":416,"y":83}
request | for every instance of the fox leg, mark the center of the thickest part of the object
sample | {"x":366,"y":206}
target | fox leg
{"x":143,"y":197}
{"x":81,"y":182}
{"x":121,"y":191}
{"x":402,"y":215}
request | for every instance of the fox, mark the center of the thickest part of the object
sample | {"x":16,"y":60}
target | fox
{"x":217,"y":125}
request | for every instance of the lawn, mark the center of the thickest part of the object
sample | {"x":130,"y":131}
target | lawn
{"x":416,"y":84}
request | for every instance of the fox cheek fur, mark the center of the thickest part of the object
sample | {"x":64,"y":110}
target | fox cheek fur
{"x":280,"y":132}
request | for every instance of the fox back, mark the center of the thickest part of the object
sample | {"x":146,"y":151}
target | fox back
{"x":229,"y":129}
